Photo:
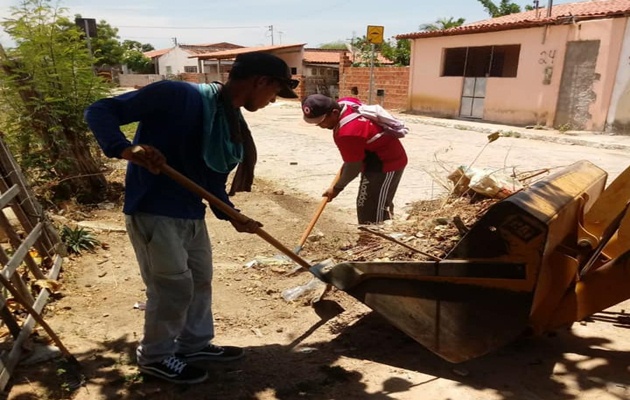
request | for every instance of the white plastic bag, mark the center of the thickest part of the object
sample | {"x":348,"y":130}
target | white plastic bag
{"x":492,"y":183}
{"x":299,"y":291}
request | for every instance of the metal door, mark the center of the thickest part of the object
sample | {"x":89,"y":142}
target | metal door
{"x":473,"y":98}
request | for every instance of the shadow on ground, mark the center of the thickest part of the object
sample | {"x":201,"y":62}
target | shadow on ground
{"x":522,"y":370}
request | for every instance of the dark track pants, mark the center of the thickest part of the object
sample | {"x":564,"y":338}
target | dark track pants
{"x":376,"y":195}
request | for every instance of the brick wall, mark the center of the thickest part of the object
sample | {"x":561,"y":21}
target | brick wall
{"x":208,"y":78}
{"x":137,"y":80}
{"x":394,"y":81}
{"x":326,"y":85}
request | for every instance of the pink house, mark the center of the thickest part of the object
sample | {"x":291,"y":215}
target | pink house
{"x":565,"y":66}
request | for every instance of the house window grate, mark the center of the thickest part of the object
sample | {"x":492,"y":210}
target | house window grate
{"x":482,"y":61}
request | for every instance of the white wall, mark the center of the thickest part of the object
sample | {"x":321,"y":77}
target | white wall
{"x":526,"y":99}
{"x":619,"y":110}
{"x":293,"y":58}
{"x":177,"y":59}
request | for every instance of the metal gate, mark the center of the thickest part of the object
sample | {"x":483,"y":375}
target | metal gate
{"x":473,"y":98}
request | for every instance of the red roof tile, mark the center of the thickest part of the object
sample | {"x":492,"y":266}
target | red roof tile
{"x":322,"y":56}
{"x":221,"y":45}
{"x":195,"y":48}
{"x":157,"y":53}
{"x":234,"y":52}
{"x":559,"y":13}
{"x":326,"y":56}
{"x":208,"y":48}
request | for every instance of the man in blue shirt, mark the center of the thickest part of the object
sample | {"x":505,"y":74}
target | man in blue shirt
{"x":199,"y":131}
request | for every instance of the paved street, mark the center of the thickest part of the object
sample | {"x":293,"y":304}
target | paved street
{"x":304,"y":157}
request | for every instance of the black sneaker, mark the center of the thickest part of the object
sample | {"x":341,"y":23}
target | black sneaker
{"x":175,"y":370}
{"x":214,"y":353}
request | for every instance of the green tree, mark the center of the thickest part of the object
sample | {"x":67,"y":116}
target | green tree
{"x":338,"y":45}
{"x":107,"y":49}
{"x":398,"y":51}
{"x":138,"y":62}
{"x":362,"y":52}
{"x":134,"y":56}
{"x":443,"y":23}
{"x":46,"y":82}
{"x":504,"y":7}
{"x":135,"y":45}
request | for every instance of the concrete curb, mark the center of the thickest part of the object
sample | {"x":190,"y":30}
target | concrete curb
{"x":578,"y":138}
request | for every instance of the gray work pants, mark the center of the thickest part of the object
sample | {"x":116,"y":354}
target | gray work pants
{"x":175,"y":259}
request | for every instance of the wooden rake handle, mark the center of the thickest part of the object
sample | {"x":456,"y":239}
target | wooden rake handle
{"x":230,"y":212}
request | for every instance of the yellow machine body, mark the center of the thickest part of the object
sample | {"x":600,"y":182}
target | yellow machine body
{"x":543,"y":258}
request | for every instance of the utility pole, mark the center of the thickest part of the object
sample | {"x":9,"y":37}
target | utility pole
{"x":372,"y":46}
{"x":271,"y":30}
{"x":374,"y":36}
{"x":280,"y":37}
{"x":350,"y":46}
{"x":174,"y":41}
{"x":87,"y":35}
{"x":549,"y":7}
{"x":88,"y":26}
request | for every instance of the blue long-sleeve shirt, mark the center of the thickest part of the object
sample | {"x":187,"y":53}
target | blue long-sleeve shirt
{"x":170,"y":117}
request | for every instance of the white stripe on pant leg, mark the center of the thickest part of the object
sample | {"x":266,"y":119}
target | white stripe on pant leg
{"x":382,"y":197}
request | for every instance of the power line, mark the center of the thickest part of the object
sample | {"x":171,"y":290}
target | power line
{"x":190,"y":27}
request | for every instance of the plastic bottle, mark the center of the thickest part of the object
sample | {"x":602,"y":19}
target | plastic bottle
{"x":299,"y":291}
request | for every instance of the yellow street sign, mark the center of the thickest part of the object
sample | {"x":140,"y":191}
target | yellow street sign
{"x":375,"y":34}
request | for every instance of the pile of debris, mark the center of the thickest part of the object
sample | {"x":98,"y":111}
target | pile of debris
{"x":429,"y":232}
{"x":432,"y":228}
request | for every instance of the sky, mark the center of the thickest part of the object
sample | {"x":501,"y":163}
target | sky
{"x":252,"y":22}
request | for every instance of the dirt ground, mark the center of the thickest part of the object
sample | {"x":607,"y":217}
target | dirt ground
{"x":337,"y":350}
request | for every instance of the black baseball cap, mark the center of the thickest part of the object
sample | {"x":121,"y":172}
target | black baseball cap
{"x":265,"y":64}
{"x":316,"y":106}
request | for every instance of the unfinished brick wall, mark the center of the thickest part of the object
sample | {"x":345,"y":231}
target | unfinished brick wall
{"x":196,"y":77}
{"x":393,"y":81}
{"x":208,"y":78}
{"x":137,"y":80}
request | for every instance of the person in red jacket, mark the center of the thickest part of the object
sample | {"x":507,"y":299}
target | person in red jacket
{"x":379,"y":158}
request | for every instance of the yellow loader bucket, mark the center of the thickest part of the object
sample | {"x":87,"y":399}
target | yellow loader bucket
{"x":517,"y":270}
